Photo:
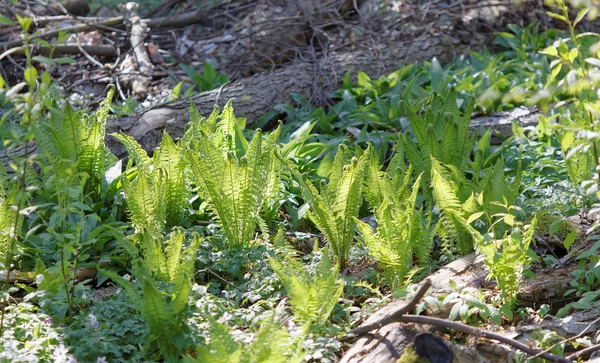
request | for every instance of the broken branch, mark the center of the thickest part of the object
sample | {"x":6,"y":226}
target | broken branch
{"x":412,"y":304}
{"x":441,"y":323}
{"x":138,"y":32}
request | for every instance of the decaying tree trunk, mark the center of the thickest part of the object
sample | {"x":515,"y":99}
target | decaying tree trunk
{"x":256,"y":95}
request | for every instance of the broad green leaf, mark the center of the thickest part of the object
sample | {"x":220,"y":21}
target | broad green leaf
{"x":45,"y":60}
{"x":569,"y":240}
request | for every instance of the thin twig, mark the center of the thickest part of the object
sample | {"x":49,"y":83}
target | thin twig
{"x":219,"y":277}
{"x":583,"y":352}
{"x":87,"y":55}
{"x":75,"y":29}
{"x":568,"y":339}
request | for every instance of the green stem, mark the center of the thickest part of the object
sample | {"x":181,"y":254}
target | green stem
{"x":13,"y":241}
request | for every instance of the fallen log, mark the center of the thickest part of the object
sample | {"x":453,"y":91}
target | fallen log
{"x":256,"y":95}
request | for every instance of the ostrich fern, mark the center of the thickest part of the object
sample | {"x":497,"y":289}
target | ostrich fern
{"x":333,"y":209}
{"x":234,"y":176}
{"x":442,"y":132}
{"x":166,"y":171}
{"x":272,"y":344}
{"x":165,"y":314}
{"x":312,"y":297}
{"x":72,"y":138}
{"x":400,"y":229}
{"x":455,"y":230}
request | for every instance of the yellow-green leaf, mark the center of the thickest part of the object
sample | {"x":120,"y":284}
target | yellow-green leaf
{"x":31,"y":76}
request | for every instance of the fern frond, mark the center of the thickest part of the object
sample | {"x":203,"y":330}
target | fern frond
{"x":342,"y":157}
{"x":155,"y":311}
{"x":92,"y":155}
{"x":141,"y":203}
{"x":173,"y":252}
{"x":168,"y":157}
{"x":348,"y":200}
{"x":184,"y":276}
{"x":134,"y":150}
{"x":455,"y":227}
{"x":377,"y":186}
{"x":101,"y":114}
{"x":131,"y":291}
{"x":70,"y":132}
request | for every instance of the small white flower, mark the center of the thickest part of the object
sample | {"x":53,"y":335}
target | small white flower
{"x":200,"y":289}
{"x":39,"y":279}
{"x":127,"y":277}
{"x":101,"y":360}
{"x":61,"y":354}
{"x":11,"y":348}
{"x":94,"y":321}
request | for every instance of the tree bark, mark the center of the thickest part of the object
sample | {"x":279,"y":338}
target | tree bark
{"x":256,"y":95}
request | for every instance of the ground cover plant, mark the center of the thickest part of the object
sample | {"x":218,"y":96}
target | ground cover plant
{"x":234,"y":241}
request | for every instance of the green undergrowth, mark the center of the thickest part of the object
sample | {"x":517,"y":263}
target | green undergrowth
{"x":246,"y":245}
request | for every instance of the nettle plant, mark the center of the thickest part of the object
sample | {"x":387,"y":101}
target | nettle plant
{"x":575,"y":78}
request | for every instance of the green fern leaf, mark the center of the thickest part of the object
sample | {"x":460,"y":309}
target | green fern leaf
{"x":155,"y":311}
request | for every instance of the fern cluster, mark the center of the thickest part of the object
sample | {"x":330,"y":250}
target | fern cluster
{"x":72,"y":138}
{"x":442,"y":132}
{"x":311,"y":296}
{"x":400,"y":230}
{"x":507,"y":256}
{"x":236,"y":177}
{"x":456,"y":229}
{"x":333,"y":209}
{"x":165,"y":173}
{"x":273,"y":344}
{"x":462,"y":201}
{"x":164,"y":313}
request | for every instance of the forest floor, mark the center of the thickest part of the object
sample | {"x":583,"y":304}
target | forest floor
{"x":384,"y":78}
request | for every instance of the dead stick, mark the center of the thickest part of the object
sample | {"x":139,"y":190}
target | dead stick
{"x":44,"y":20}
{"x":105,"y":50}
{"x":75,"y":29}
{"x":177,"y":20}
{"x":393,"y":317}
{"x":417,"y":319}
{"x":138,"y":32}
